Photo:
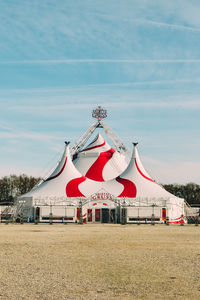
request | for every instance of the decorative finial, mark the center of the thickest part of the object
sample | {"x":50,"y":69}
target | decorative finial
{"x":99,"y":113}
{"x":135,"y":144}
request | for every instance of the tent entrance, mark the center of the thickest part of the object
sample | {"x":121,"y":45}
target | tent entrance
{"x":97,"y":215}
{"x":37,"y":213}
{"x":108,"y":215}
{"x":104,"y":215}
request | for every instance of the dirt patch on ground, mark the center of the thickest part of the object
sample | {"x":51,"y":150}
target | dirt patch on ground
{"x":99,"y":261}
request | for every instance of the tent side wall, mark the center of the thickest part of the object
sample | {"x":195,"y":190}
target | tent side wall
{"x":176,"y":210}
{"x":144,"y":210}
{"x":58,"y":213}
{"x":33,"y":209}
{"x":157,"y":210}
{"x":146,"y":214}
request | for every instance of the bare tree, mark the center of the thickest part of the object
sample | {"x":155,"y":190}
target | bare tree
{"x":13,"y":185}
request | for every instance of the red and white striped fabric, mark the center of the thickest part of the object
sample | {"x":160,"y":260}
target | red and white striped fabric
{"x":145,"y":186}
{"x":99,"y":161}
{"x":66,"y":180}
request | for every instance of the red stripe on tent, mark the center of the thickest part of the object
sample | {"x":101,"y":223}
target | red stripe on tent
{"x":142,"y":173}
{"x":177,"y":222}
{"x":177,"y":218}
{"x":53,"y":177}
{"x":72,"y":189}
{"x":94,"y":147}
{"x":130,"y":189}
{"x":95,"y":172}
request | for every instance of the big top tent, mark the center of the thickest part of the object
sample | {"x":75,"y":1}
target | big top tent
{"x":100,"y":183}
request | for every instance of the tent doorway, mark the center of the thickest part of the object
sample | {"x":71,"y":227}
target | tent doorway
{"x":112,"y":216}
{"x":37,"y":214}
{"x":104,"y":215}
{"x":89,"y":213}
{"x":97,"y":215}
{"x":108,"y":215}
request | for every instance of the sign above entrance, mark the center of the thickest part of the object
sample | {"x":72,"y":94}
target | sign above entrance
{"x":102,"y":196}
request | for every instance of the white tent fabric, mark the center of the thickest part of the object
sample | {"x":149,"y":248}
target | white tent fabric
{"x":55,"y":184}
{"x":133,"y":182}
{"x":67,"y":181}
{"x":145,"y":186}
{"x":99,"y":161}
{"x":67,"y":185}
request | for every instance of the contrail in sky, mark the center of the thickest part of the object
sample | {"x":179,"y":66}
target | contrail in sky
{"x":75,"y":61}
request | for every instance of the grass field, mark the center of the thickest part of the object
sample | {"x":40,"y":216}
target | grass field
{"x":99,"y":261}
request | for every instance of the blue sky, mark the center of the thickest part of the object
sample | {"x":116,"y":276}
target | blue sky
{"x":140,"y":60}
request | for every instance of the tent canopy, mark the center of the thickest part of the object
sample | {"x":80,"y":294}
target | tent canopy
{"x":67,"y":181}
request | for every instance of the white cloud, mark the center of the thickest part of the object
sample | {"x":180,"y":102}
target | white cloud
{"x":140,"y":21}
{"x":176,"y":172}
{"x":76,"y":88}
{"x":171,"y":26}
{"x":189,"y":104}
{"x":104,"y":60}
{"x":28,"y":135}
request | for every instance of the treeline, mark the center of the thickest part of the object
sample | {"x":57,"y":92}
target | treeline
{"x":13,"y":186}
{"x":190,"y":192}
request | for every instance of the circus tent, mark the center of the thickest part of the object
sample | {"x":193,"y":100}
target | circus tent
{"x":99,"y":161}
{"x":100,"y":183}
{"x":99,"y":180}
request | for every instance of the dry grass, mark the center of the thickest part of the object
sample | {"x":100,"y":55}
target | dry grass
{"x":99,"y":262}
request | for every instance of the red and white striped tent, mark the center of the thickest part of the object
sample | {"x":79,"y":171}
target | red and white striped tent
{"x":99,"y":161}
{"x":101,"y":178}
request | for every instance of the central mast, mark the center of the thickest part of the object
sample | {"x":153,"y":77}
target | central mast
{"x":100,"y":113}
